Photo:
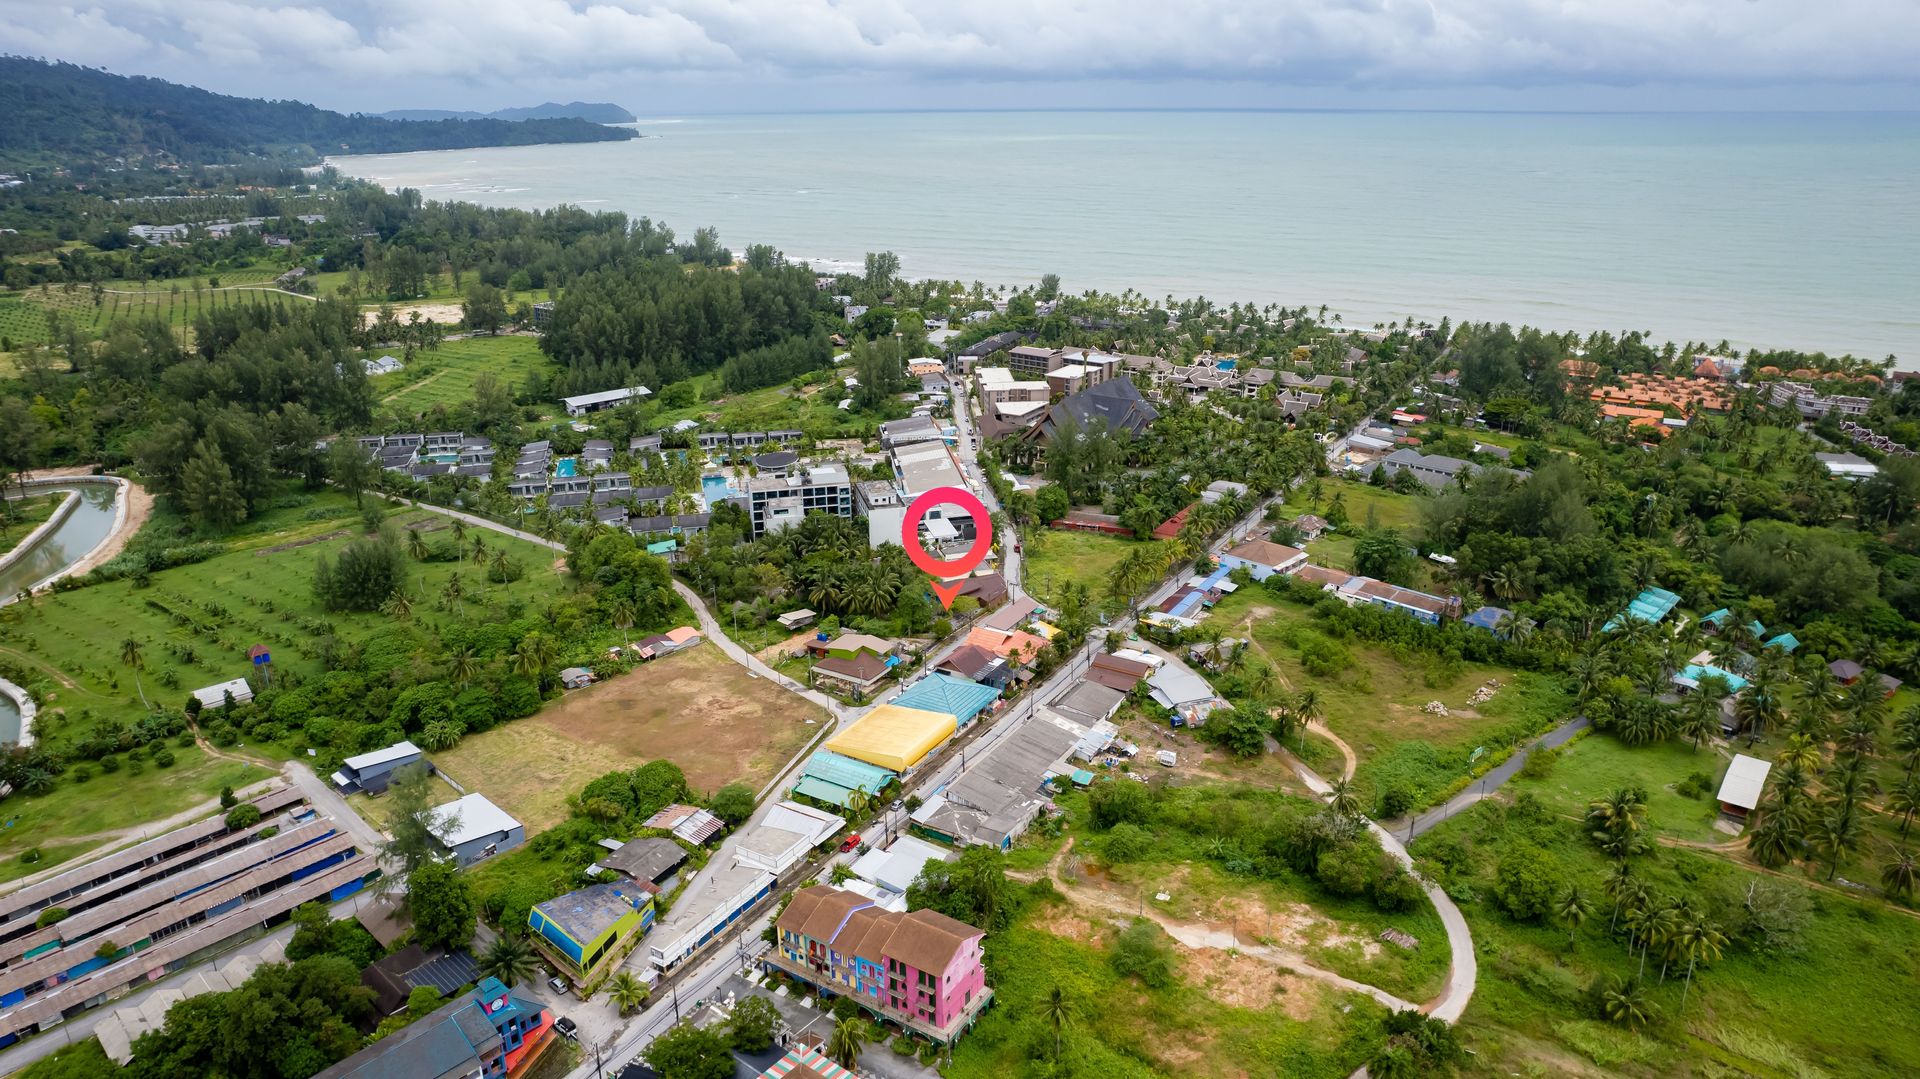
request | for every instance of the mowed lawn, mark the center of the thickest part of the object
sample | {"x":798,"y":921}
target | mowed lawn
{"x":445,"y":375}
{"x":1599,"y":764}
{"x":196,"y":622}
{"x":1054,"y":559}
{"x":696,"y":708}
{"x":110,"y":810}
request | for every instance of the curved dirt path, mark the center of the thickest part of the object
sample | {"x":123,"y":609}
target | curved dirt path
{"x":1348,"y":761}
{"x":1197,"y":936}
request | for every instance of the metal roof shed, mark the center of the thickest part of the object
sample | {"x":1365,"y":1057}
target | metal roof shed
{"x":1740,"y":790}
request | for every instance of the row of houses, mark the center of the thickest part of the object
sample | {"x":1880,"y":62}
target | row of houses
{"x":436,"y":453}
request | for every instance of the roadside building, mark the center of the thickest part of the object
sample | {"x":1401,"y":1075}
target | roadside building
{"x":921,"y":969}
{"x":159,"y":906}
{"x":972,"y":662}
{"x":714,"y":900}
{"x":473,"y":828}
{"x":1116,"y":672}
{"x":896,"y":867}
{"x":649,"y":861}
{"x":893,"y":737}
{"x":370,"y":773}
{"x":690,"y":823}
{"x":582,"y":929}
{"x":860,"y":673}
{"x":831,"y":778}
{"x":489,"y":1033}
{"x":1263,"y":558}
{"x":958,"y":697}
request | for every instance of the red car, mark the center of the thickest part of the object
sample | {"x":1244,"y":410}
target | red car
{"x":850,"y":843}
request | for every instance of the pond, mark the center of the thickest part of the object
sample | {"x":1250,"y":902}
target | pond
{"x":73,"y":539}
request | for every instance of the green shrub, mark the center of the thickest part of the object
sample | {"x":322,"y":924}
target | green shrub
{"x":1694,"y":786}
{"x":1540,"y":763}
{"x":30,"y":856}
{"x":243,"y":816}
{"x":163,"y":759}
{"x":49,"y":916}
{"x":903,"y":1046}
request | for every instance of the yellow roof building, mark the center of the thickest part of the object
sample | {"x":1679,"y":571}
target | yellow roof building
{"x":893,"y":737}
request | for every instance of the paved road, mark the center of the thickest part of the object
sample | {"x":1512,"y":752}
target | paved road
{"x":1486,"y":785}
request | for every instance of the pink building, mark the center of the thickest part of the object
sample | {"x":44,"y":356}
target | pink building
{"x":920,"y":969}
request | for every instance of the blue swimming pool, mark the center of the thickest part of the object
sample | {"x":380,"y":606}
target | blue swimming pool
{"x":566,"y":467}
{"x":715,"y":489}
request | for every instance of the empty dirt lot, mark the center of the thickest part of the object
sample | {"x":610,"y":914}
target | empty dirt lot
{"x":697,"y":709}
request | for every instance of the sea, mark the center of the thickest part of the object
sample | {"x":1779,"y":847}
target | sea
{"x":1765,"y":230}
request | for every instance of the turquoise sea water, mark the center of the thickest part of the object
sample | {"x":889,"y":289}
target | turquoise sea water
{"x":1795,"y":230}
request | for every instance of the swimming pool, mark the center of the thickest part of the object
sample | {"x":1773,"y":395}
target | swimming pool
{"x":715,"y":489}
{"x":566,"y":467}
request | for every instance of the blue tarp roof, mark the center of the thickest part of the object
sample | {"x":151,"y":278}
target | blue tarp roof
{"x":957,"y":697}
{"x":1185,"y":608}
{"x":1486,"y":617}
{"x":822,"y":791}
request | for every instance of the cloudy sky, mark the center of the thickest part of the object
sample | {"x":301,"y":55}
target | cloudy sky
{"x":661,"y":57}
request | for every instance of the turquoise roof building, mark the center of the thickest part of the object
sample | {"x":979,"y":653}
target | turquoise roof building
{"x":958,"y":697}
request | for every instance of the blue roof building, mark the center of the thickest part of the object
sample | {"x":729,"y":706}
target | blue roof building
{"x":1786,"y":642}
{"x":489,"y":1033}
{"x":832,"y":778}
{"x":1649,"y":606}
{"x":1692,"y":674}
{"x":958,"y":697}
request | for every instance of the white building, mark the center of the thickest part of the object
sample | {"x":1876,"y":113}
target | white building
{"x":581,"y":404}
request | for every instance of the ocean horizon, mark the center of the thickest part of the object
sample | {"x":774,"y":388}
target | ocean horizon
{"x":1767,"y":230}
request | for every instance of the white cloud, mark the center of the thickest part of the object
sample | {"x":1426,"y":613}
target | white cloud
{"x":355,"y":45}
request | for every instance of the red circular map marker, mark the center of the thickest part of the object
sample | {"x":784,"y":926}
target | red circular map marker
{"x":958,"y":567}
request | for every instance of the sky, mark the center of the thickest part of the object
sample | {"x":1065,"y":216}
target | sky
{"x":668,"y":57}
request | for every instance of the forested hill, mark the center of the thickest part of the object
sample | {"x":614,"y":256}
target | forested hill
{"x":64,"y":114}
{"x":599,"y":112}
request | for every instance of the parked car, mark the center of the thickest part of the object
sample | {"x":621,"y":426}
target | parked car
{"x":567,"y":1028}
{"x":557,"y":984}
{"x":850,"y":842}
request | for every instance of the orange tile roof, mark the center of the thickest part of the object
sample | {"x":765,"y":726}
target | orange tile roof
{"x":1016,"y":646}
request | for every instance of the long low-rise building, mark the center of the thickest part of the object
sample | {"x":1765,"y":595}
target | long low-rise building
{"x":134,"y":917}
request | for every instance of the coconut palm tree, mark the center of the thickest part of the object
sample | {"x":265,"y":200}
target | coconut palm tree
{"x":1900,"y":876}
{"x":452,"y":594}
{"x":1800,"y":750}
{"x":534,"y":656}
{"x":509,"y":958}
{"x":459,"y":532}
{"x":1344,"y":799}
{"x":416,"y":545}
{"x":849,"y":1037}
{"x":130,"y":655}
{"x":1837,"y":834}
{"x":1058,"y":1012}
{"x":399,"y":605}
{"x":1698,"y":939}
{"x":462,"y":665}
{"x":1572,"y":909}
{"x":1626,"y":1003}
{"x":627,"y":992}
{"x":1905,"y":800}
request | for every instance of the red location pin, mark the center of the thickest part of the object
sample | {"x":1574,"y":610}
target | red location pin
{"x":958,"y":567}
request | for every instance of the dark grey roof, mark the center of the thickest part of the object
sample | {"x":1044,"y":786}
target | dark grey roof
{"x":776,"y":459}
{"x":646,"y":859}
{"x":566,"y":500}
{"x":1116,"y":403}
{"x":994,"y":344}
{"x":447,"y":973}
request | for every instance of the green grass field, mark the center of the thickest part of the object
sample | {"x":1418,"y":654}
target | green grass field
{"x":1829,"y":998}
{"x":1376,"y":701}
{"x":445,"y":375}
{"x":197,"y":621}
{"x":24,"y":515}
{"x":1054,"y":559}
{"x":814,"y":407}
{"x":110,"y":810}
{"x":1599,"y":764}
